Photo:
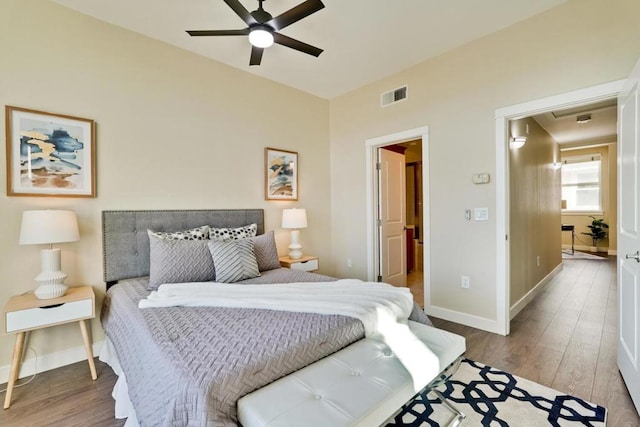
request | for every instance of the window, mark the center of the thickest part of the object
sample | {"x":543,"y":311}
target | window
{"x":581,"y":180}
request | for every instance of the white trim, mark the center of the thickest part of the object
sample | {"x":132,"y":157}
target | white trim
{"x":587,"y":249}
{"x":522,"y":303}
{"x":50,"y":361}
{"x":477,"y":322}
{"x":502,"y":116}
{"x":371,"y":145}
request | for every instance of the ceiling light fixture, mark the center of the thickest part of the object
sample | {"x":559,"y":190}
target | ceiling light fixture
{"x":585,"y":118}
{"x":517,"y":142}
{"x":261,"y":37}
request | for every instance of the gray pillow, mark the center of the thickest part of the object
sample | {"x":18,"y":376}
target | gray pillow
{"x":179,"y":261}
{"x":234,"y":260}
{"x":198,"y":233}
{"x":266,"y":251}
{"x":233,"y":233}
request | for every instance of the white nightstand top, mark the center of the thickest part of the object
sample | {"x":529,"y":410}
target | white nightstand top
{"x":304,"y":258}
{"x":29,"y":300}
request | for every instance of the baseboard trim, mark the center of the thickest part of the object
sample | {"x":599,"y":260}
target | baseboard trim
{"x":464,"y":319}
{"x":46,"y":362}
{"x":522,"y":303}
{"x":587,"y":249}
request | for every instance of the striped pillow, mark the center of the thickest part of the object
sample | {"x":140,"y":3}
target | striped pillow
{"x":234,"y":260}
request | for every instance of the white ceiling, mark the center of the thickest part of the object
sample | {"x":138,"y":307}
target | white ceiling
{"x":564,"y":128}
{"x":363,"y":40}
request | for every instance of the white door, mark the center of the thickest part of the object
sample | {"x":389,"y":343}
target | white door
{"x":392,"y":211}
{"x":629,"y":235}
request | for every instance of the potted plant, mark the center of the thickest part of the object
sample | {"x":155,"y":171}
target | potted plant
{"x":597,"y":231}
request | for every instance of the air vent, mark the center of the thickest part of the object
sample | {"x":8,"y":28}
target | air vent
{"x":394,"y":96}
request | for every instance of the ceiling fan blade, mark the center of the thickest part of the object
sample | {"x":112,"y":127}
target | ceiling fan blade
{"x":256,"y":55}
{"x":197,"y":33}
{"x":241,"y":11}
{"x":295,"y":14}
{"x":296,"y":44}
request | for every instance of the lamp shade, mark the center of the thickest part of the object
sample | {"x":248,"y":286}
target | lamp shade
{"x":294,"y":218}
{"x":48,"y":226}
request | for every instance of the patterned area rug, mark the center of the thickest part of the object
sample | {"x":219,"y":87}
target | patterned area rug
{"x":489,"y":397}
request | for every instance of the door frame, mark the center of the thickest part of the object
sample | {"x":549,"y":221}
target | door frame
{"x":371,"y":145}
{"x":502,"y":117}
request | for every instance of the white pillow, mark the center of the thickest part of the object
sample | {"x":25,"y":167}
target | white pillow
{"x":233,"y":233}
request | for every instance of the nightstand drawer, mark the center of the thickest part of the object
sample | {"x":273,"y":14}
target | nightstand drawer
{"x":32,"y":318}
{"x":310,"y":265}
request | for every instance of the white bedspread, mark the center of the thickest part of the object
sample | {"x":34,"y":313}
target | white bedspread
{"x":376,"y":305}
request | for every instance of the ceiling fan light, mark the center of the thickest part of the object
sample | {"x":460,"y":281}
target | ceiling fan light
{"x":261,"y":38}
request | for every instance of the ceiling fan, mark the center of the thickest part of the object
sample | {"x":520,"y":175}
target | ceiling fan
{"x":263,"y":28}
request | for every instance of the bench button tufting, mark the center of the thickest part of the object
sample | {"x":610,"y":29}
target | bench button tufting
{"x":355,"y":373}
{"x":387,"y":353}
{"x":318,"y":397}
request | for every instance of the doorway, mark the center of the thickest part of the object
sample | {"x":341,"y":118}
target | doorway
{"x":503,"y":117}
{"x":404,"y":139}
{"x":561,"y":177}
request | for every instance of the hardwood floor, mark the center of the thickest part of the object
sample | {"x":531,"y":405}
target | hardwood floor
{"x":415,"y":283}
{"x":564,"y":339}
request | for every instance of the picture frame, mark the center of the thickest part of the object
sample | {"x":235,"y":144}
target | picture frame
{"x":281,"y":174}
{"x":49,"y":155}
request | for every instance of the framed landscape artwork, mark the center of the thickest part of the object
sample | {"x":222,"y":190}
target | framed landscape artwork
{"x":49,"y":154}
{"x":281,"y":174}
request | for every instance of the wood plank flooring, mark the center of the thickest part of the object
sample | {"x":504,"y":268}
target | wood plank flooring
{"x":564,"y":339}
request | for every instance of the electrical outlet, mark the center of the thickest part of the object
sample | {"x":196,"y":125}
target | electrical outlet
{"x":465,"y":282}
{"x":538,"y":260}
{"x":349,"y":263}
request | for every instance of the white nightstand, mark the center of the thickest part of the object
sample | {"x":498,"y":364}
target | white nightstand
{"x":24,"y":313}
{"x":306,"y":263}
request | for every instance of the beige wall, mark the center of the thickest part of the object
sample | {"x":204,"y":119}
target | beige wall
{"x":174,"y":130}
{"x":609,"y":194}
{"x":578,"y":44}
{"x":534,"y":199}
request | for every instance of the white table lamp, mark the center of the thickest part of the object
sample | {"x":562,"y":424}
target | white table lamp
{"x":294,"y":219}
{"x":49,"y":227}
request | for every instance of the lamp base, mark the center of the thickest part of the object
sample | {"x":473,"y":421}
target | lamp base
{"x":50,"y":291}
{"x":51,"y":278}
{"x":295,"y":247}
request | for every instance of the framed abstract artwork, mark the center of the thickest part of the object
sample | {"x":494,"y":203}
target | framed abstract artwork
{"x":49,"y":154}
{"x":281,"y":174}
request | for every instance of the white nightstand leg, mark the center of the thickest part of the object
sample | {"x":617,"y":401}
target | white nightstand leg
{"x":87,"y":347}
{"x":15,"y":367}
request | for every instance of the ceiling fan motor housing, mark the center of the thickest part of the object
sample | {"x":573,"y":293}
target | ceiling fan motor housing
{"x":263,"y":29}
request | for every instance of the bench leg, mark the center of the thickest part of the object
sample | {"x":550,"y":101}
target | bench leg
{"x":459,"y":416}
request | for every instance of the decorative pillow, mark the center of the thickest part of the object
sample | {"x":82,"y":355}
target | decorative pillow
{"x":234,"y":260}
{"x":198,"y":233}
{"x":179,"y":261}
{"x":233,"y":233}
{"x":266,"y":252}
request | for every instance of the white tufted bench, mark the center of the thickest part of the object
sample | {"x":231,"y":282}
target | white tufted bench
{"x":361,"y":385}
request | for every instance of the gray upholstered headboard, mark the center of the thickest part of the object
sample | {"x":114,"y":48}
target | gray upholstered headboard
{"x":126,"y":244}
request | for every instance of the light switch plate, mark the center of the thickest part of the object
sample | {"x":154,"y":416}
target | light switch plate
{"x":481,"y":214}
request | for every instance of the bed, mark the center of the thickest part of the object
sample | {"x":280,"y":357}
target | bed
{"x":190,"y":365}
